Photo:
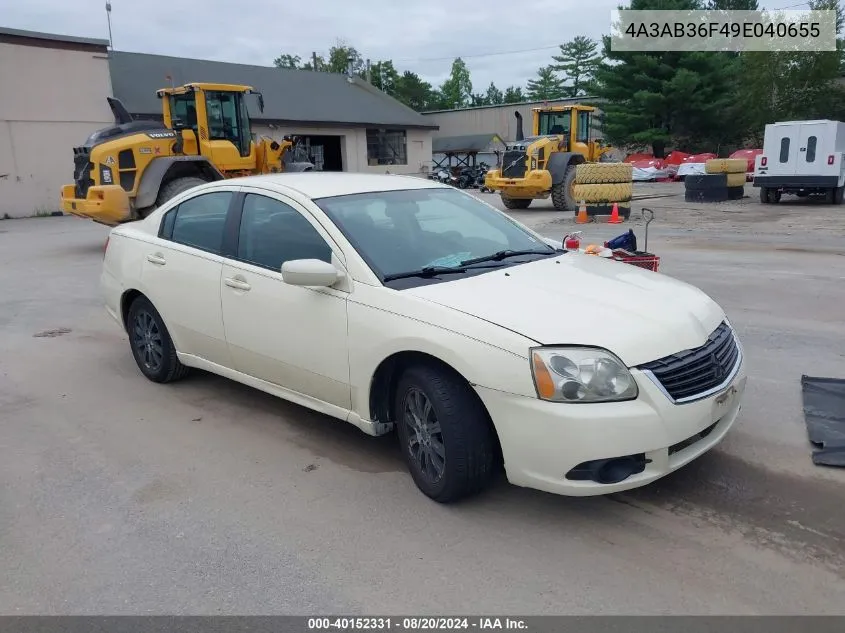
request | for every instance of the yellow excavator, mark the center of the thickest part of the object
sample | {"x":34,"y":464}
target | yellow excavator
{"x":543,"y":164}
{"x":125,"y":171}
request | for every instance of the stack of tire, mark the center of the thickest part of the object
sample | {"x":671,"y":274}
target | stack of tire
{"x":601,"y":185}
{"x":724,"y":179}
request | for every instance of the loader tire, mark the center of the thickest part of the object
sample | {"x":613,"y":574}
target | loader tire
{"x":177,"y":186}
{"x":600,"y":173}
{"x":516,"y":203}
{"x":736,"y":180}
{"x":605,"y":192}
{"x":716,"y":194}
{"x":705,"y":182}
{"x":726,"y":166}
{"x":736,"y":193}
{"x":562,"y":193}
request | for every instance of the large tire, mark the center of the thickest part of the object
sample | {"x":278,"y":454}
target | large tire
{"x":611,"y":192}
{"x":446,"y":437}
{"x":177,"y":186}
{"x":704,"y":182}
{"x":515,"y":203}
{"x":736,"y":180}
{"x":562,"y":197}
{"x":598,"y":173}
{"x":726,"y":166}
{"x":706,"y":195}
{"x":736,"y":193}
{"x":152,"y":347}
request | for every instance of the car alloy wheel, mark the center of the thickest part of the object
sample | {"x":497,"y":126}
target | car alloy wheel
{"x":425,"y":444}
{"x":147,"y":340}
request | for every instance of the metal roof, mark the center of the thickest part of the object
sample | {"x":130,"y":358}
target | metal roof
{"x":295,"y":96}
{"x":37,"y":35}
{"x":465,"y":144}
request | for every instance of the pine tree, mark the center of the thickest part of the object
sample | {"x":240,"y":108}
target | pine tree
{"x":546,"y":86}
{"x":578,"y":60}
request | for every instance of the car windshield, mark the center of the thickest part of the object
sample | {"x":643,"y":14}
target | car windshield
{"x":402,"y":231}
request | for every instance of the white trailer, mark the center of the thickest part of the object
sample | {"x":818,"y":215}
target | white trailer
{"x":802,"y":158}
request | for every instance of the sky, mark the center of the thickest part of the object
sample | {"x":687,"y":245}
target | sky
{"x":421,"y":35}
{"x":498,"y":42}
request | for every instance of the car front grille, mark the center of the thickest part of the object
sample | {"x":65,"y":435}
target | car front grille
{"x":513,"y":164}
{"x":693,"y":373}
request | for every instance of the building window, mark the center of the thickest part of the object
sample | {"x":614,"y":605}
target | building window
{"x":387,"y":147}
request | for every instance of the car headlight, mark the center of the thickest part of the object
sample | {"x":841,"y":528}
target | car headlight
{"x":580,"y":374}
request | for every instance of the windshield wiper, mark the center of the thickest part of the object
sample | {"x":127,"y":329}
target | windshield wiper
{"x":500,"y":255}
{"x":426,"y":271}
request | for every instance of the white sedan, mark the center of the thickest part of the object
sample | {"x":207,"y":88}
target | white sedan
{"x":394,"y":302}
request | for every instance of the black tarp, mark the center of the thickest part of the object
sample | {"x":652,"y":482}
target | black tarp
{"x":824,"y":415}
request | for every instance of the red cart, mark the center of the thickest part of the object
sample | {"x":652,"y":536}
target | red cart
{"x":643,"y":258}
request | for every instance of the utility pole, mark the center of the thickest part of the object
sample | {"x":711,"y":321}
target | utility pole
{"x":314,"y":60}
{"x":369,"y":76}
{"x":108,"y":17}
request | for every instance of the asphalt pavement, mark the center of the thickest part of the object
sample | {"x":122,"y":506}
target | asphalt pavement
{"x":119,"y":496}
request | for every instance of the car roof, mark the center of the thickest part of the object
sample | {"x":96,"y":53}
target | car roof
{"x":315,"y":184}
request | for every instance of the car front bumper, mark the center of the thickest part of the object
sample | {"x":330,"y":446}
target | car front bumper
{"x":106,"y":204}
{"x":542,"y":442}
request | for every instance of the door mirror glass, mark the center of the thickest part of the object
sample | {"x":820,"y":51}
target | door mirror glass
{"x":310,"y":272}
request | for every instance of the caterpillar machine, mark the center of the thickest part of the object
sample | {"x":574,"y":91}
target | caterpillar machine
{"x":543,"y":164}
{"x":123,"y":172}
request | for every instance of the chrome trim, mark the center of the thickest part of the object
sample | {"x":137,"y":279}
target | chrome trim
{"x":710,"y":392}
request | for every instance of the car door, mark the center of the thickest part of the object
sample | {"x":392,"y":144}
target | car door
{"x":291,"y":336}
{"x":182,"y":270}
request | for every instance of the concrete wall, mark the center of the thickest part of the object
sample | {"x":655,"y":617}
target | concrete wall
{"x":354,"y":147}
{"x":51,"y":98}
{"x":491,"y":119}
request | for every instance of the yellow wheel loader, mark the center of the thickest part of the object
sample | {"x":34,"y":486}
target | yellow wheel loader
{"x":123,"y":172}
{"x":543,"y":164}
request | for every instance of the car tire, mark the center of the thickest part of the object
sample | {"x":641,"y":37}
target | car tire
{"x":437,"y":412}
{"x":516,"y":203}
{"x":152,"y":347}
{"x":177,"y":186}
{"x":562,"y":193}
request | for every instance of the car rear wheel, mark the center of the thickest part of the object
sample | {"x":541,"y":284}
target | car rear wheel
{"x":152,"y":347}
{"x":446,"y":437}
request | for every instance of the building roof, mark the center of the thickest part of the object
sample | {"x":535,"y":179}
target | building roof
{"x":567,"y":100}
{"x":52,"y":37}
{"x":465,"y":144}
{"x":290,"y":96}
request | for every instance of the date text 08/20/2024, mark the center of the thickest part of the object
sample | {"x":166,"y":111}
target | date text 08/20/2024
{"x":414,"y":624}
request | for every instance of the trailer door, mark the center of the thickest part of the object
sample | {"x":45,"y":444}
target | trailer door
{"x":813,"y":149}
{"x":781,"y":148}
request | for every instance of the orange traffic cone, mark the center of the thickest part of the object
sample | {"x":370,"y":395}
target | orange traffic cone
{"x":582,"y":218}
{"x":614,"y":215}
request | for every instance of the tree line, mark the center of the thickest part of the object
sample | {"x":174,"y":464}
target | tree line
{"x":694,"y":101}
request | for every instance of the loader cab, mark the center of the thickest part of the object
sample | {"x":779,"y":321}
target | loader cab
{"x":574,"y":123}
{"x":214,"y":120}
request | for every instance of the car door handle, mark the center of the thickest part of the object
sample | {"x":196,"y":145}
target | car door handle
{"x":238,"y":284}
{"x":156,"y":259}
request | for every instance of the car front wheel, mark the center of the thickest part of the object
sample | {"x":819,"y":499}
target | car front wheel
{"x":446,"y":437}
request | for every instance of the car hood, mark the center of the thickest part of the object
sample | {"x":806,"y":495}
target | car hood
{"x":577,"y":299}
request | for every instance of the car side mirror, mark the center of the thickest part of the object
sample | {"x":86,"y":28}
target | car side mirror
{"x":310,"y":272}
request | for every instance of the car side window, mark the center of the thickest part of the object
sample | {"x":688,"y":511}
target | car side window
{"x":273,"y":232}
{"x":199,"y":222}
